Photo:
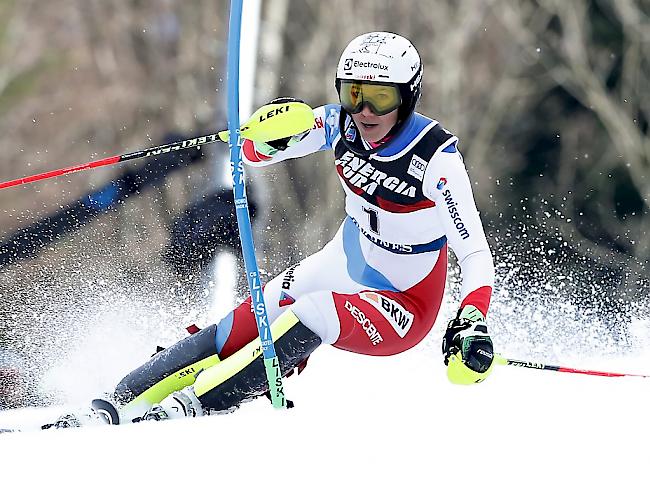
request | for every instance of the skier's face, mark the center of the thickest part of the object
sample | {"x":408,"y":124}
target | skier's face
{"x":374,"y":127}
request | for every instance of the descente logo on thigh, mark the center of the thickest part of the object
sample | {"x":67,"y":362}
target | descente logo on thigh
{"x":372,"y":332}
{"x":397,"y":316}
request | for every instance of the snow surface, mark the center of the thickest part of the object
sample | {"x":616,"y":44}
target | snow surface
{"x":359,"y":421}
{"x":363,"y":421}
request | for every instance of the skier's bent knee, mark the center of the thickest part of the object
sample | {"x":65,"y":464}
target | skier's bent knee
{"x":242,"y":376}
{"x":218,"y":387}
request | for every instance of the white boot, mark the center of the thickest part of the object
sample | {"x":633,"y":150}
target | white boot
{"x":179,"y":404}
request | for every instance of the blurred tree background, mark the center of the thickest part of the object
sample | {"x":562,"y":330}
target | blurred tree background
{"x":549,"y":98}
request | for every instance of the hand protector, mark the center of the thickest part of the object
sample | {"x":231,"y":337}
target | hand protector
{"x":270,"y":148}
{"x":467,"y":348}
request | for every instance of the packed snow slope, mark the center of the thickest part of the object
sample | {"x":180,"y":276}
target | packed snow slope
{"x":362,"y":421}
{"x":358,"y":421}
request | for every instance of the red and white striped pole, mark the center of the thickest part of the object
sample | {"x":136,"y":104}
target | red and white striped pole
{"x":562,"y":369}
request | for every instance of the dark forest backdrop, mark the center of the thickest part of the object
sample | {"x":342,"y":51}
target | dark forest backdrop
{"x":550,"y":100}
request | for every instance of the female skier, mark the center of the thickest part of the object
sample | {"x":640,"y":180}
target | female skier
{"x":377,"y":286}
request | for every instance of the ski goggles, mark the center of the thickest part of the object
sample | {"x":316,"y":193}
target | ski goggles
{"x":381,"y":98}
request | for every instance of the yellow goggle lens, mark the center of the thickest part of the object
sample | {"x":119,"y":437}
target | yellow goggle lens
{"x":381,"y":98}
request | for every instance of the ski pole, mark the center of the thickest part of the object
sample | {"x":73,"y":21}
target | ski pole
{"x":271,"y":363}
{"x":561,"y":369}
{"x":268,"y":123}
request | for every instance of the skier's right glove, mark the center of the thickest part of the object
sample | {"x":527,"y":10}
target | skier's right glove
{"x":270,"y":148}
{"x":467,"y":347}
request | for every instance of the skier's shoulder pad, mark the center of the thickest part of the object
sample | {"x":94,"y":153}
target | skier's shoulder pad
{"x":439,"y":137}
{"x":421,"y":133}
{"x":445,"y":141}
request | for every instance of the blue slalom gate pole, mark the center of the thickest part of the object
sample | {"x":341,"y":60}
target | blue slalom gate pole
{"x":271,"y":363}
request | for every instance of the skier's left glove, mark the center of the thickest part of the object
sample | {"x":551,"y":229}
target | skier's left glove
{"x":270,"y":148}
{"x":467,"y":347}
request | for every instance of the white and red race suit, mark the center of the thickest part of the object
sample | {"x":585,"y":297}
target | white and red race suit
{"x":377,"y":286}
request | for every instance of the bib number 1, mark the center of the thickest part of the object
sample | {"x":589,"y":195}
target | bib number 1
{"x":373,"y":217}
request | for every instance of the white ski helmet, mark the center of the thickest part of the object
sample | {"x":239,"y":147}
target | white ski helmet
{"x":384,"y":57}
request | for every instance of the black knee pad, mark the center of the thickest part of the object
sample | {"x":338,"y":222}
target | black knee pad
{"x":291,"y":348}
{"x":177,"y":359}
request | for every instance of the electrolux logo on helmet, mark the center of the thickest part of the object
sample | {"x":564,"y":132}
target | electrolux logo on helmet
{"x":370,"y":64}
{"x":353,"y":63}
{"x":455,"y":215}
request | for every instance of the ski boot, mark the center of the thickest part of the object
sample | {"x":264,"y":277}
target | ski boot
{"x":180,"y":404}
{"x":102,"y":412}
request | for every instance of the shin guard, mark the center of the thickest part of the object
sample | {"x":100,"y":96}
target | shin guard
{"x":170,"y":370}
{"x":242,"y":376}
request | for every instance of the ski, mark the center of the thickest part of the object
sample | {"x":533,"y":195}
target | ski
{"x":101,"y":412}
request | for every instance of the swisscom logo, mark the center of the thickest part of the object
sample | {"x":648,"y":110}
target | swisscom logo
{"x":441,"y":183}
